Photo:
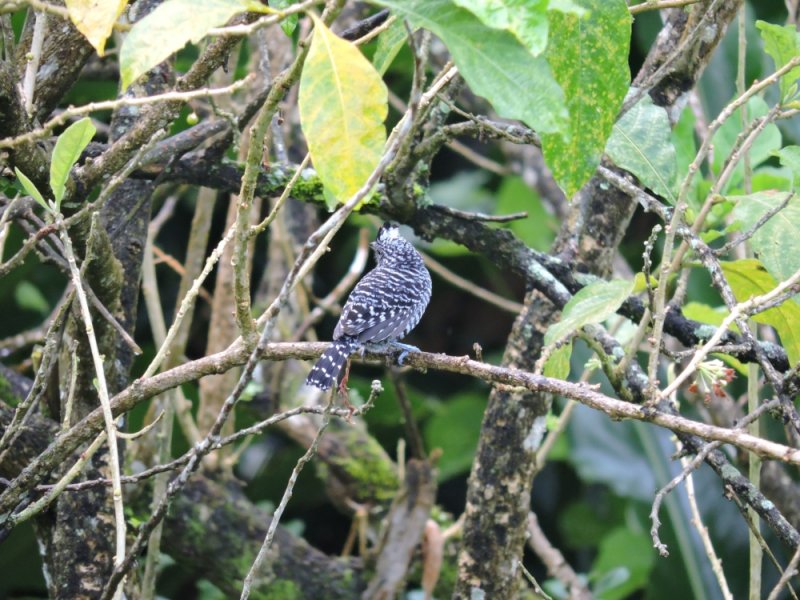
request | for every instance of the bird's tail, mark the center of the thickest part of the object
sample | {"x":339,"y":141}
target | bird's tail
{"x":327,"y":368}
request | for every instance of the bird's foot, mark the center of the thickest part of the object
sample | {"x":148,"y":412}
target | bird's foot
{"x":385,"y":347}
{"x":406,"y":348}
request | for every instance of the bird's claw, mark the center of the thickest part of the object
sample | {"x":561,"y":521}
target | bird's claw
{"x":406,"y":349}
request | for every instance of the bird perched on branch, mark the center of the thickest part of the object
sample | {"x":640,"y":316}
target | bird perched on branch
{"x":383,"y":308}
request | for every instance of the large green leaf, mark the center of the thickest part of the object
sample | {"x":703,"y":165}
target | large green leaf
{"x":593,"y":304}
{"x":790,"y":158}
{"x":641,"y":143}
{"x":455,"y":430}
{"x":343,"y":103}
{"x":389,"y":44}
{"x":493,"y":62}
{"x":95,"y":20}
{"x":66,"y":153}
{"x":624,"y":561}
{"x":589,"y":58}
{"x":683,"y":139}
{"x":525,"y":19}
{"x":170,"y":27}
{"x":538,"y":230}
{"x":777,"y":242}
{"x":749,"y":278}
{"x":782,"y":43}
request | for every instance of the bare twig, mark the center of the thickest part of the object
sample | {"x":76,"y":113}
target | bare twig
{"x":70,"y":113}
{"x":687,"y":469}
{"x":553,"y":559}
{"x":789,"y":572}
{"x":34,"y":56}
{"x":745,"y":308}
{"x":702,"y":530}
{"x":746,"y":235}
{"x":659,"y":5}
{"x":505,"y":304}
{"x":102,"y":392}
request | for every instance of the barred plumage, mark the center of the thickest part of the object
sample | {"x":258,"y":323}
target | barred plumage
{"x":383,"y":308}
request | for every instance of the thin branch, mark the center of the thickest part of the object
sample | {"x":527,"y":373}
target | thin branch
{"x":687,"y":469}
{"x":553,"y":559}
{"x":503,"y":303}
{"x":34,"y":56}
{"x":746,"y":235}
{"x":476,"y":216}
{"x":70,"y":113}
{"x":275,"y":17}
{"x":659,"y":5}
{"x":102,"y":392}
{"x":789,"y":572}
{"x":287,"y":494}
{"x":313,"y":249}
{"x":350,"y":278}
{"x":745,"y":308}
{"x":702,"y":530}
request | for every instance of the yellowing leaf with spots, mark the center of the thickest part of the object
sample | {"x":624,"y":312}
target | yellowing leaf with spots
{"x":172,"y":25}
{"x":343,"y":103}
{"x":95,"y":19}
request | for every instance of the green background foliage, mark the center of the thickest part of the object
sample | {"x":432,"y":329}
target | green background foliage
{"x":564,"y":71}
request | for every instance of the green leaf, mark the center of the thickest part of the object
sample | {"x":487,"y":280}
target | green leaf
{"x":623,"y":564}
{"x":611,"y":453}
{"x":593,"y":304}
{"x":66,"y":153}
{"x":782,"y":43}
{"x":777,"y":242}
{"x":29,"y":297}
{"x":790,"y":158}
{"x":455,"y":430}
{"x":494,"y":63}
{"x":641,"y":143}
{"x":589,"y":58}
{"x":683,"y":139}
{"x":172,"y":25}
{"x":289,"y":24}
{"x":764,"y":146}
{"x":749,"y":278}
{"x":640,"y":284}
{"x":31,"y":188}
{"x":525,"y":19}
{"x":343,"y":103}
{"x":538,"y":230}
{"x":557,"y":364}
{"x":389,"y":44}
{"x":95,"y":20}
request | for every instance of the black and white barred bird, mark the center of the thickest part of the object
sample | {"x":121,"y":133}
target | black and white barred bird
{"x":383,"y":308}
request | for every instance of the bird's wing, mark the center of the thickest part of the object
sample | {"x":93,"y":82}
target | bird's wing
{"x":375,"y":305}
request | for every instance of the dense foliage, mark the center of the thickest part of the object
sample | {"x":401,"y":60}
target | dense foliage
{"x":604,"y":195}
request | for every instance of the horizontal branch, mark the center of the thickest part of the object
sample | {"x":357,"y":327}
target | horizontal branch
{"x":50,"y":460}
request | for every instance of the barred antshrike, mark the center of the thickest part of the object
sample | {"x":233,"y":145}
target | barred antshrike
{"x":386,"y":304}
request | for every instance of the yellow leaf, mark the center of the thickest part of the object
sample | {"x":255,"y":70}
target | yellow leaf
{"x":169,"y":27}
{"x":749,"y":278}
{"x":343,"y":103}
{"x":95,"y":19}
